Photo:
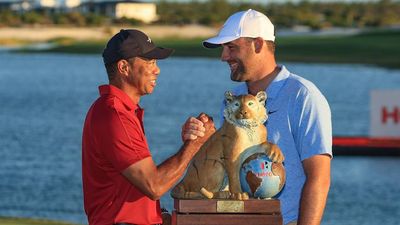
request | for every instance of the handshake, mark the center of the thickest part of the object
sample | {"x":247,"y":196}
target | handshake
{"x":198,"y":130}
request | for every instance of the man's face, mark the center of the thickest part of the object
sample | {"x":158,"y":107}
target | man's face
{"x":238,"y":55}
{"x":143,"y":75}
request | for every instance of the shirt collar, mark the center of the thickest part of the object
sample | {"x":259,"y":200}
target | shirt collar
{"x":121,"y":95}
{"x":275,"y":86}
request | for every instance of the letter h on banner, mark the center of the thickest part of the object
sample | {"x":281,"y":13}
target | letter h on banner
{"x":385,"y":113}
{"x":390,"y":114}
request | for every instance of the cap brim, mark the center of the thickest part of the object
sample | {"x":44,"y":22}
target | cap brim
{"x":217,"y":41}
{"x":158,"y":53}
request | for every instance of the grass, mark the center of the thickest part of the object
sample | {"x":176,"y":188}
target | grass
{"x":380,"y":48}
{"x":13,"y":42}
{"x":67,"y":45}
{"x":23,"y":221}
{"x":188,"y":47}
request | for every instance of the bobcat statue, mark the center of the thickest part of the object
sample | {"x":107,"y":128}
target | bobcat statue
{"x":242,"y":134}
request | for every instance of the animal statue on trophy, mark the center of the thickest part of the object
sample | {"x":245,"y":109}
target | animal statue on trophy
{"x":215,"y":172}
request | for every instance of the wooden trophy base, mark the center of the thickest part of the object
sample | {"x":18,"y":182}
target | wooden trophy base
{"x":226,"y":212}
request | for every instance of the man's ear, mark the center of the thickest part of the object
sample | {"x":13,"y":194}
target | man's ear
{"x":123,"y":67}
{"x":258,"y":44}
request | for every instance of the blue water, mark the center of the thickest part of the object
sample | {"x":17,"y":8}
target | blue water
{"x":44,"y":99}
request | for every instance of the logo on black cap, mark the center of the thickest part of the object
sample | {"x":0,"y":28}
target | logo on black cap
{"x":131,"y":43}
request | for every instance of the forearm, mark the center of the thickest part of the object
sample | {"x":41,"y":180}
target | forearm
{"x":313,"y":201}
{"x":315,"y":190}
{"x":195,"y":132}
{"x":171,"y":170}
{"x":154,"y":181}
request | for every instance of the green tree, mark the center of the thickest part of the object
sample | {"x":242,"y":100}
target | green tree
{"x":93,"y":19}
{"x":34,"y":17}
{"x":9,"y":18}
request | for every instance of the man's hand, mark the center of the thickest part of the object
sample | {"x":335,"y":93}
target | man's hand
{"x":198,"y":129}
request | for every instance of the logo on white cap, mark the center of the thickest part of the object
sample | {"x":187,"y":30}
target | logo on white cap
{"x":250,"y":23}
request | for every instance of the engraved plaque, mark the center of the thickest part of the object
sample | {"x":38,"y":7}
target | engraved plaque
{"x":230,"y":206}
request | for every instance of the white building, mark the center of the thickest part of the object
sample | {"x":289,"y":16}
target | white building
{"x":117,"y":9}
{"x":69,"y":3}
{"x":145,"y":12}
{"x":27,"y":5}
{"x":17,"y":6}
{"x":44,"y":4}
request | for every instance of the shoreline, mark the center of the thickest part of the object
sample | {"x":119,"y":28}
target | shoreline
{"x":38,"y":34}
{"x":4,"y":220}
{"x":370,"y":47}
{"x":45,"y":34}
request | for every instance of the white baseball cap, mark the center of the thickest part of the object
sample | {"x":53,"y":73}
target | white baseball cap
{"x":250,"y":23}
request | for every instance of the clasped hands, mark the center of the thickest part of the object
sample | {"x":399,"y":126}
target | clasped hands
{"x":198,"y":129}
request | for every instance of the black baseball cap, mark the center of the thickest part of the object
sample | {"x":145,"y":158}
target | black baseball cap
{"x":131,"y":43}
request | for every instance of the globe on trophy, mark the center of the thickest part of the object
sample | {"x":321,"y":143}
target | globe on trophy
{"x":260,"y":177}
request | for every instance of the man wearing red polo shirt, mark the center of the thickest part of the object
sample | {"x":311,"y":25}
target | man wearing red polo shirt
{"x":121,"y":183}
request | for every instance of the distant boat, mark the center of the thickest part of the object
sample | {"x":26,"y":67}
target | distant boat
{"x":384,"y":135}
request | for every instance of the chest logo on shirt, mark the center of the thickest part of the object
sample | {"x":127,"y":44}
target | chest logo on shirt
{"x":270,"y":112}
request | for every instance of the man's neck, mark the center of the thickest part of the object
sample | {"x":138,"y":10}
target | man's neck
{"x":133,"y":96}
{"x":132,"y":93}
{"x":261,"y":84}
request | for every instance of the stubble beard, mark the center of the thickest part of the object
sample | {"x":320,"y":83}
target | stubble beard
{"x":239,"y":73}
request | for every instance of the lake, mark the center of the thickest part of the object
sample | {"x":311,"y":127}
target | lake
{"x":44,"y":99}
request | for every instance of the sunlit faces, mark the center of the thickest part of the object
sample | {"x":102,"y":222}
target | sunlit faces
{"x":238,"y":54}
{"x":143,"y":75}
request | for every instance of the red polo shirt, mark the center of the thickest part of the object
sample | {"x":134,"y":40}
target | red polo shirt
{"x":113,"y":139}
